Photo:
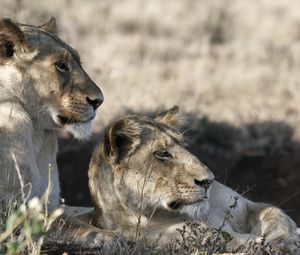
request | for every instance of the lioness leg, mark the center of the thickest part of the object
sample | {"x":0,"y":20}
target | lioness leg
{"x":68,"y":228}
{"x":259,"y":220}
{"x":274,"y":225}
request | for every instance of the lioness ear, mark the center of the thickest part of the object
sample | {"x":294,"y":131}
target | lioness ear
{"x":49,"y":26}
{"x":169,"y":117}
{"x":11,"y":39}
{"x":122,"y":139}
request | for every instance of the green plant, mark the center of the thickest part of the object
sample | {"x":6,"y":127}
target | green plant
{"x":24,"y":222}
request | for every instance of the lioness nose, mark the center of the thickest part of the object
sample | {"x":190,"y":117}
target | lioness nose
{"x":96,"y":102}
{"x":203,"y":183}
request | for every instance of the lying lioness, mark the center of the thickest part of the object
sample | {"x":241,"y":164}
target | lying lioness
{"x":142,"y":177}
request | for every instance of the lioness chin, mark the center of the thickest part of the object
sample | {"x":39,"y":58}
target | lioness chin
{"x":43,"y":87}
{"x":142,"y":178}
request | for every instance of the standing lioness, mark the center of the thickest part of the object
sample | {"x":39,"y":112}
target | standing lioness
{"x":43,"y":87}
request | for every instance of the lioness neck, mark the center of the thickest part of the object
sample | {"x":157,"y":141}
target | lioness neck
{"x":27,"y":138}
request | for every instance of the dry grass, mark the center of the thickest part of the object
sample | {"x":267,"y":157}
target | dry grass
{"x":228,"y":64}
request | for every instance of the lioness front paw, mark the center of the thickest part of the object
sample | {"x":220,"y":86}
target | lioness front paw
{"x":288,"y":245}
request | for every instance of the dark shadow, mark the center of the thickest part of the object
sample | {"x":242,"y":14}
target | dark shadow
{"x":260,"y":160}
{"x":73,"y":161}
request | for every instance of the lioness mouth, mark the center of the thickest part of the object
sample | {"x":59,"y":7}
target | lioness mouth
{"x":65,"y":120}
{"x":178,"y":204}
{"x":175,"y":205}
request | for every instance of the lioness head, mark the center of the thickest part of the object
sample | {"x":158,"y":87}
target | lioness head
{"x":45,"y":74}
{"x":143,"y":164}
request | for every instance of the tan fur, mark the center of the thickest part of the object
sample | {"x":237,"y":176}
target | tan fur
{"x":135,"y":184}
{"x":43,"y":87}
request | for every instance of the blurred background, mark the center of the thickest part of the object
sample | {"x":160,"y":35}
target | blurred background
{"x":232,"y":66}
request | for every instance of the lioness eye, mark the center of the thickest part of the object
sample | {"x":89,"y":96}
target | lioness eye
{"x":162,"y":155}
{"x":62,"y":67}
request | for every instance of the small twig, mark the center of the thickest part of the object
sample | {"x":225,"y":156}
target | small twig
{"x":19,"y":176}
